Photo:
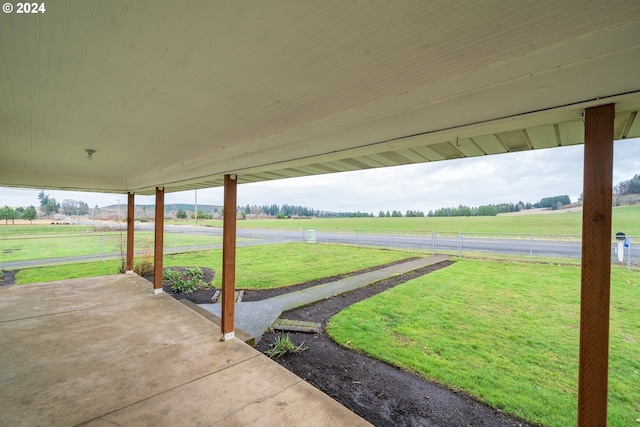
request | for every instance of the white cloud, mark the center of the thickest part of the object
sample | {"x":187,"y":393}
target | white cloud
{"x":525,"y":176}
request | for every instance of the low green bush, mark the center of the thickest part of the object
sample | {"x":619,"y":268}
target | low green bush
{"x":170,"y":275}
{"x":191,"y":279}
{"x":194,"y":273}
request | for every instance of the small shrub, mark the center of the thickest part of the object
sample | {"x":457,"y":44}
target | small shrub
{"x":171,"y":276}
{"x":194,"y":273}
{"x":282,"y":346}
{"x":187,"y":282}
{"x":143,"y":267}
{"x":183,"y":286}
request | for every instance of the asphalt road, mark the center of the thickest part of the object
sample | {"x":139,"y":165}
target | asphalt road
{"x":524,"y":246}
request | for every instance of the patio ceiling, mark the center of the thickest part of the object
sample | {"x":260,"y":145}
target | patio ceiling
{"x":177,"y":94}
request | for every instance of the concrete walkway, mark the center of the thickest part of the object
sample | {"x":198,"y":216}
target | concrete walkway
{"x":256,"y":317}
{"x":107,"y":351}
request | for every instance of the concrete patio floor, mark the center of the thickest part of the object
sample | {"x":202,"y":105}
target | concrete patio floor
{"x":106,"y":351}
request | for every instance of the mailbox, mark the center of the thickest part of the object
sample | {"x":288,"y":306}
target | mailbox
{"x":621,"y":238}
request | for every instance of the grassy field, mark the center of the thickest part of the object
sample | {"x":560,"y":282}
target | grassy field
{"x":23,"y":242}
{"x":54,"y":246}
{"x":35,"y":230}
{"x":504,"y":332}
{"x":624,"y":219}
{"x":257,"y":267}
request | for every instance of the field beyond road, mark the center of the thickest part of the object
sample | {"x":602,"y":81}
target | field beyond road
{"x":561,"y":223}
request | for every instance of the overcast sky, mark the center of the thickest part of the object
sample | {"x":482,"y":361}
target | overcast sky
{"x":524,"y":176}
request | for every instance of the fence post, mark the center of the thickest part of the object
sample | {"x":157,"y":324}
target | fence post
{"x":174,"y":242}
{"x":460,"y":244}
{"x":433,"y":242}
{"x":629,"y":259}
{"x":530,"y":247}
{"x":357,"y":243}
{"x":101,"y":247}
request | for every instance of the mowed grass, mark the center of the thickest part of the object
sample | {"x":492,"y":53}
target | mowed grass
{"x":67,"y":271}
{"x":568,"y":223}
{"x":257,"y":267}
{"x":506,"y":333}
{"x":42,"y":246}
{"x":18,"y":230}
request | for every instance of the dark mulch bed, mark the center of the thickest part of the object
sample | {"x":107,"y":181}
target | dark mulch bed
{"x":8,"y":277}
{"x":202,"y":296}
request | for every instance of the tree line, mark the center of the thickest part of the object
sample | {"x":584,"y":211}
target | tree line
{"x":49,"y":206}
{"x":9,"y":214}
{"x":631,"y":186}
{"x":289,"y":211}
{"x":554,"y":202}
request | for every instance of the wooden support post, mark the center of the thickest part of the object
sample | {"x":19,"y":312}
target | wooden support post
{"x":229,"y":257}
{"x":158,"y":252}
{"x":130,"y":226}
{"x":596,"y":266}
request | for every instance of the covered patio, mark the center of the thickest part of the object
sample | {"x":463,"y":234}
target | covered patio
{"x":150,"y":97}
{"x":108,"y":351}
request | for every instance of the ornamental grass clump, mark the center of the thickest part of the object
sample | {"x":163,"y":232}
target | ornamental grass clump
{"x":282,"y":346}
{"x":143,"y":266}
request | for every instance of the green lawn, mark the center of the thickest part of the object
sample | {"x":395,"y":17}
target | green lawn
{"x":257,"y":267}
{"x":624,"y":219}
{"x":67,"y":271}
{"x":11,"y":230}
{"x":507,"y":333}
{"x":23,"y":246}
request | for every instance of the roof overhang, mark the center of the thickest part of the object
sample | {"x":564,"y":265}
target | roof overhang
{"x":178,"y":94}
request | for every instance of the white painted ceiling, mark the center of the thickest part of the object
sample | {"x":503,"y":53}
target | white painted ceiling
{"x":179,"y":93}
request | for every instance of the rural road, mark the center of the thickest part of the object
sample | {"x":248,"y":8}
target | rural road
{"x":527,"y":246}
